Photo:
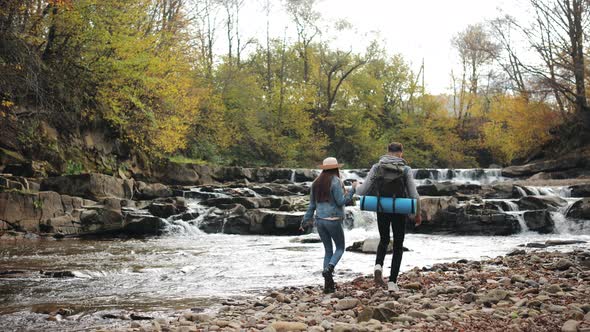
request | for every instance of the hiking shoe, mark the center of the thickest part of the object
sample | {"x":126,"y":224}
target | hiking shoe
{"x":392,"y":287}
{"x":379,"y":277}
{"x":329,"y":286}
{"x":328,"y":271}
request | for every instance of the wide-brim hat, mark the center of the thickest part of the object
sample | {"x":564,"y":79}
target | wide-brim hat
{"x":330,"y":163}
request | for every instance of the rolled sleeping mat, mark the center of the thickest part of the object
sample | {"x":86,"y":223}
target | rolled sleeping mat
{"x":389,"y":204}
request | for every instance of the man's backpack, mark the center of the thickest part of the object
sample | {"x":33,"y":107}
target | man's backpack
{"x":390,"y":180}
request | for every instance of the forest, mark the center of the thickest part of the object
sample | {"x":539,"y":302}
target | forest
{"x":151,"y":74}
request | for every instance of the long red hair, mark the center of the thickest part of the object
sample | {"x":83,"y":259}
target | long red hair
{"x":322,"y":185}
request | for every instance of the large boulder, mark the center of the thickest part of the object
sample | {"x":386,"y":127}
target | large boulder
{"x":265,"y":174}
{"x":552,"y":203}
{"x":448,"y":188}
{"x":539,"y":221}
{"x":233,"y":173}
{"x":499,"y":191}
{"x":306,"y":175}
{"x":99,"y":220}
{"x":185,"y":174}
{"x":239,"y":220}
{"x":25,"y":211}
{"x":165,"y":208}
{"x":151,"y":190}
{"x":143,"y":225}
{"x":91,"y":186}
{"x":580,"y":209}
{"x":580,"y":190}
{"x":561,"y":164}
{"x":431,"y":207}
{"x":248,"y":202}
{"x":369,"y":246}
{"x":471,"y":221}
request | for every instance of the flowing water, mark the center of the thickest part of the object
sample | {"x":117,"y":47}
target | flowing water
{"x":187,"y":268}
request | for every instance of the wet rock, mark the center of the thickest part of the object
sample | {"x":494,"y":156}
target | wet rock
{"x":135,"y":316}
{"x":552,"y":203}
{"x":580,"y":209}
{"x":516,"y":252}
{"x":59,"y":274}
{"x":551,"y":243}
{"x":247,"y":202}
{"x":91,"y":186}
{"x":369,"y":246}
{"x":187,"y":216}
{"x":539,"y":221}
{"x":101,"y":220}
{"x":257,"y":221}
{"x":432,"y":207}
{"x":580,"y":190}
{"x":474,"y":222}
{"x":143,"y":225}
{"x":448,"y":188}
{"x":165,"y":209}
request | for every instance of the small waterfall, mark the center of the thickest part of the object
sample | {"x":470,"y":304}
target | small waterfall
{"x":293,"y":173}
{"x":534,"y":190}
{"x":362,"y":219}
{"x":459,"y":175}
{"x":520,"y":217}
{"x":521,"y":191}
{"x":181,"y":227}
{"x":512,"y":206}
{"x":348,"y":174}
{"x":513,"y":209}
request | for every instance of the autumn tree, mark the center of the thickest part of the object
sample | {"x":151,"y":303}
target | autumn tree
{"x":476,"y":50}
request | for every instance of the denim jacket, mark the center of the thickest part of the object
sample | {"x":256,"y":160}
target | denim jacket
{"x":333,"y":208}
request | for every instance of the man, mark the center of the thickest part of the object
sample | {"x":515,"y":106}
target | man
{"x":402,"y":186}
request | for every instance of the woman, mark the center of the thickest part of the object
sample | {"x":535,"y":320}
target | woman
{"x":327,"y":200}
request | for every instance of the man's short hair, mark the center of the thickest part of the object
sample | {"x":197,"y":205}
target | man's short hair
{"x":395,"y":147}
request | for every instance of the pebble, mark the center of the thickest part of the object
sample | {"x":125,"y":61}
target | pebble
{"x":570,"y":326}
{"x":347,"y":303}
{"x":520,"y":295}
{"x":282,"y":326}
{"x":553,"y":289}
{"x":413,"y":285}
{"x":563,"y":264}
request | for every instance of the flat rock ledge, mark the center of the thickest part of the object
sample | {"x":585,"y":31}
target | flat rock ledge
{"x":522,"y":291}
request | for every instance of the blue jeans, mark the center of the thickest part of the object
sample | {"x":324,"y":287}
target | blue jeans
{"x":331,"y":230}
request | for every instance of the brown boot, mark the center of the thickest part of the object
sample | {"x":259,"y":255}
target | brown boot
{"x":379,"y":277}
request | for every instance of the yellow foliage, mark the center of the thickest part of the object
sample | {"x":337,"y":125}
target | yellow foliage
{"x":515,"y":126}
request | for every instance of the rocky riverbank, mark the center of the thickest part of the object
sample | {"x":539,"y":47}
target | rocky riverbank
{"x":271,"y":201}
{"x":522,"y":291}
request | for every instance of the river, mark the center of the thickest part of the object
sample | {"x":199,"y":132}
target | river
{"x":188,"y":269}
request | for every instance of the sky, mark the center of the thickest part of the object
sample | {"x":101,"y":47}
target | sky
{"x":416,"y":29}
